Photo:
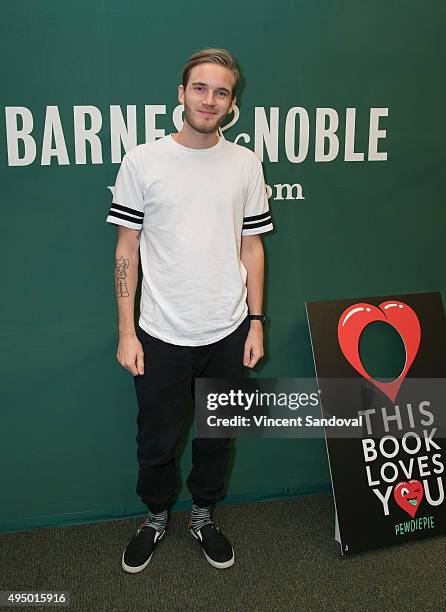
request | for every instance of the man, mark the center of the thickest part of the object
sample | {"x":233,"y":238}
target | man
{"x":193,"y":205}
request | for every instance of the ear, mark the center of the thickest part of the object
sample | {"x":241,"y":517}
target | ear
{"x":180,"y":94}
{"x":231,"y":106}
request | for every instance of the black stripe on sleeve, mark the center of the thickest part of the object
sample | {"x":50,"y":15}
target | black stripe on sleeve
{"x":256,"y":217}
{"x":125,"y":209}
{"x":117,"y":215}
{"x":260,"y":224}
{"x":261,"y":220}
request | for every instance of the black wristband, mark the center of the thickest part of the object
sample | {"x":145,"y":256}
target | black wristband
{"x":260,"y":317}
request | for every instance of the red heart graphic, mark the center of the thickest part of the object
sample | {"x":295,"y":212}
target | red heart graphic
{"x":401,"y":316}
{"x":408,"y":496}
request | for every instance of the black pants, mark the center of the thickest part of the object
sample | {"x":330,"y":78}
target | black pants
{"x":164,"y":394}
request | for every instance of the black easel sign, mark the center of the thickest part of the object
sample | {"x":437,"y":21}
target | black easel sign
{"x":389,"y":479}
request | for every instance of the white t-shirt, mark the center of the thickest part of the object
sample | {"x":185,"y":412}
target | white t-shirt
{"x":193,"y":206}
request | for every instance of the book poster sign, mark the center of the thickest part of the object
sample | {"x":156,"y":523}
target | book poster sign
{"x":387,"y":478}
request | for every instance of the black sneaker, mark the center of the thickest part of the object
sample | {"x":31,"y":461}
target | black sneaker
{"x":140,"y":549}
{"x":216,"y":546}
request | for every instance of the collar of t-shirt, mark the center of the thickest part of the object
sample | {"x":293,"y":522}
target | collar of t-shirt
{"x":195,"y":152}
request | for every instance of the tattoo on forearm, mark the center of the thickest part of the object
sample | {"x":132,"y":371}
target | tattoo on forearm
{"x":138,"y":235}
{"x":121,"y":275}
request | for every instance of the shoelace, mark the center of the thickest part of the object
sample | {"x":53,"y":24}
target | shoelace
{"x":200,"y":517}
{"x":156,"y":520}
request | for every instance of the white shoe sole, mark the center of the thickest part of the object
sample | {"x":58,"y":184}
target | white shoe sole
{"x":135,"y":569}
{"x":217,"y":564}
{"x":223,"y":564}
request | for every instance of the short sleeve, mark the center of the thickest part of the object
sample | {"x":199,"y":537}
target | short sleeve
{"x":127,"y":207}
{"x":256,"y":216}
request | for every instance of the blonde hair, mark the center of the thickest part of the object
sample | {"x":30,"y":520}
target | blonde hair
{"x":213,"y":56}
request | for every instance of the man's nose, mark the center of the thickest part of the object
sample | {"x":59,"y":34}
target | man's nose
{"x":209,"y":98}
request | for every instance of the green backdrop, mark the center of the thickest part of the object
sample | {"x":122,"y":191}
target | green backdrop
{"x":68,"y":425}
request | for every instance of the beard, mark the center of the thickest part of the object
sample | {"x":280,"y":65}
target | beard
{"x":203,"y":126}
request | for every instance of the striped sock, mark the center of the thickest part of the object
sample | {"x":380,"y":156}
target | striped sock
{"x":200,"y":516}
{"x":156,"y":520}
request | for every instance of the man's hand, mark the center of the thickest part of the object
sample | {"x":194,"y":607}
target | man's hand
{"x":253,"y":345}
{"x":130,"y":354}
